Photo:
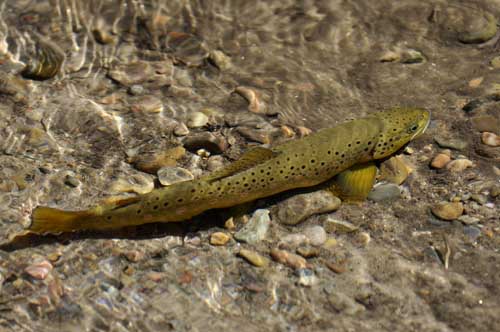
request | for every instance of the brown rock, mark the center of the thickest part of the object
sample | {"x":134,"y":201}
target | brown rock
{"x":253,"y":258}
{"x":486,"y":123}
{"x":152,"y":162}
{"x":39,"y":270}
{"x":490,"y":139}
{"x":395,"y":170}
{"x":440,"y":161}
{"x":289,"y":259}
{"x":219,"y":239}
{"x":459,"y":165}
{"x":448,"y":210}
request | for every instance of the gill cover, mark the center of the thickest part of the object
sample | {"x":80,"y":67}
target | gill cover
{"x":400,"y":125}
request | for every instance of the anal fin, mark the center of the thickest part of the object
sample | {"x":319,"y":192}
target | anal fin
{"x":354,"y":184}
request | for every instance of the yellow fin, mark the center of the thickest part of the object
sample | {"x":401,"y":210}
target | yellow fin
{"x":249,"y":159}
{"x":49,"y":220}
{"x":355,"y":183}
{"x":116,"y":202}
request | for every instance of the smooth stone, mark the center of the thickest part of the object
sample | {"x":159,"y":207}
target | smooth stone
{"x":132,"y":73}
{"x":152,"y":162}
{"x":440,"y":160}
{"x":468,"y":220}
{"x":206,"y":140}
{"x":472,"y":233}
{"x":136,"y":90}
{"x":459,"y":165}
{"x":299,"y":207}
{"x":215,"y":162}
{"x":254,"y":104}
{"x":448,"y":210}
{"x":307,"y":277}
{"x":253,"y":258}
{"x":332,"y":225}
{"x":395,"y":170}
{"x":480,"y":28}
{"x":256,"y":228}
{"x":384,"y":192}
{"x":219,"y":239}
{"x":293,"y":240}
{"x":39,"y":270}
{"x":490,"y":139}
{"x":181,"y":130}
{"x":255,"y":135}
{"x":452,"y":143}
{"x":170,"y":175}
{"x":288,"y":258}
{"x":197,"y":120}
{"x":487,"y":123}
{"x":345,"y":304}
{"x":316,"y":235}
{"x":148,"y":104}
{"x":481,"y":199}
{"x":136,"y":183}
{"x":220,"y":60}
{"x":363,"y":238}
{"x":308,"y":251}
{"x":411,"y":56}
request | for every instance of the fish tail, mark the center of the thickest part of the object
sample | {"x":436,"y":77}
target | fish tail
{"x":50,"y":220}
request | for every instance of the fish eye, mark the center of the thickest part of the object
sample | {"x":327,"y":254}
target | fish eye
{"x":413,"y":128}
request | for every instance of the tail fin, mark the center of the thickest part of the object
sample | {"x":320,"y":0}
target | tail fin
{"x":48,"y":220}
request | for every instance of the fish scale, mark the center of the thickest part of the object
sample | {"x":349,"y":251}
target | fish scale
{"x":258,"y":173}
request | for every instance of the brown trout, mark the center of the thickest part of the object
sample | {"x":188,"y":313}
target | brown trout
{"x":345,"y":152}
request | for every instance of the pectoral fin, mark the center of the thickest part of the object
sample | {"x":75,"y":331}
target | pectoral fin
{"x":249,"y":159}
{"x":355,"y":183}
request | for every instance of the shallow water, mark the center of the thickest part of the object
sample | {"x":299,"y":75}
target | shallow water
{"x":136,"y":76}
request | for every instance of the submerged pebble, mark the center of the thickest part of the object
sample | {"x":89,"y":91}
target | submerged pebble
{"x":441,"y":160}
{"x":490,"y":139}
{"x":256,"y":228}
{"x":332,"y":225}
{"x":448,"y":210}
{"x":451,"y":143}
{"x":151,"y":162}
{"x":253,"y":258}
{"x":487,"y":123}
{"x":197,"y":120}
{"x":395,"y":170}
{"x":39,"y":270}
{"x":308,"y":251}
{"x":170,"y":175}
{"x":468,"y":220}
{"x":459,"y":165}
{"x":315,"y":234}
{"x":288,"y":258}
{"x":299,"y":207}
{"x":219,"y":238}
{"x":384,"y":192}
{"x":137,"y":183}
{"x":472,"y":233}
{"x":307,"y":277}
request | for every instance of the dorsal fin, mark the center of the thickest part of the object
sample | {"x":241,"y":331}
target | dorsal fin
{"x":249,"y":159}
{"x":115,"y":202}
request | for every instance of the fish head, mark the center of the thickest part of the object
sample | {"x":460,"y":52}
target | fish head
{"x":399,"y":126}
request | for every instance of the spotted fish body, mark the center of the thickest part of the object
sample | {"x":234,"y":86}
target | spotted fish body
{"x":258,"y":173}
